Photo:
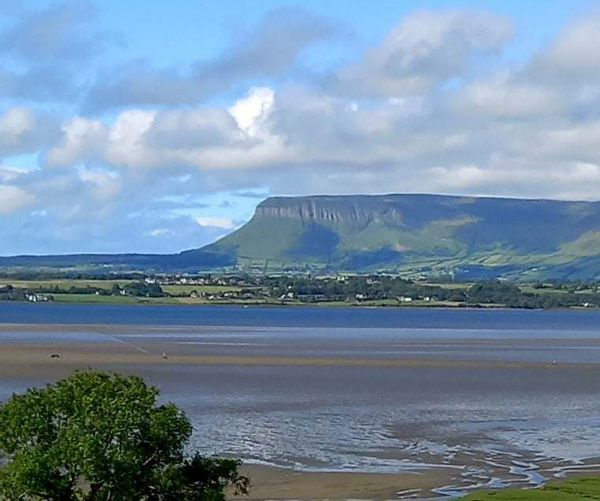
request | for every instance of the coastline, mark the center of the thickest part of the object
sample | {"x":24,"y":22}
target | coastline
{"x":174,"y":302}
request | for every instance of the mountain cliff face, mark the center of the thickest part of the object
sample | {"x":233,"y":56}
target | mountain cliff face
{"x":422,"y":235}
{"x":329,"y":210}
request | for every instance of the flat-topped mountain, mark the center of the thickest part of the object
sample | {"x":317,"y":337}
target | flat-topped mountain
{"x":424,"y":234}
{"x":417,"y":235}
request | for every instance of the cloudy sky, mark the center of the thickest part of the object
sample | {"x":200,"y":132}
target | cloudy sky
{"x":155,"y":126}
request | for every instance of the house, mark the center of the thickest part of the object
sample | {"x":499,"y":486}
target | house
{"x":36,"y":298}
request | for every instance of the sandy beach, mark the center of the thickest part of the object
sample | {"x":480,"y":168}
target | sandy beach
{"x":278,"y":483}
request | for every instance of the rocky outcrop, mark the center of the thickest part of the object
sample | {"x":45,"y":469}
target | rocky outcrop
{"x":332,"y":210}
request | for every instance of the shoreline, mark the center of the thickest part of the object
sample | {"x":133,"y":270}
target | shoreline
{"x":278,"y":483}
{"x":275,"y":305}
{"x":270,"y":482}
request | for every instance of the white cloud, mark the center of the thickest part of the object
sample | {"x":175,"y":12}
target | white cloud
{"x":216,"y":222}
{"x":16,"y":122}
{"x":575,"y":49}
{"x":425,"y":49}
{"x":9,"y":174}
{"x":158,"y":232}
{"x":83,"y":140}
{"x":503,"y":98}
{"x":13,"y":199}
{"x":251,"y":112}
{"x":126,"y":138}
{"x":204,"y":138}
{"x":105,"y":184}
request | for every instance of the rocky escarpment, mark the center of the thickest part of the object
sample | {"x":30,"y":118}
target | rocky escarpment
{"x":330,"y":210}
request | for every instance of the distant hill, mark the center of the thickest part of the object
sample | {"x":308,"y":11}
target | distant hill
{"x":422,"y":235}
{"x":418,"y":235}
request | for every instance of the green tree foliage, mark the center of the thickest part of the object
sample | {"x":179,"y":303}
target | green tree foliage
{"x":98,"y":436}
{"x":141,"y":289}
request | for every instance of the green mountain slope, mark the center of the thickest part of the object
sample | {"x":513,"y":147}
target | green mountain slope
{"x":422,"y":235}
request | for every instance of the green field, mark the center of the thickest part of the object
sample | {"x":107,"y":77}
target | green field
{"x":108,"y":284}
{"x":93,"y":299}
{"x":572,"y":490}
{"x":63,"y":284}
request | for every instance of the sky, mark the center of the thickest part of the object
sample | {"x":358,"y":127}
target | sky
{"x":152,"y":126}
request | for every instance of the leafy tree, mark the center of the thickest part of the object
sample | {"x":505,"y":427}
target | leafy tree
{"x":98,"y":436}
{"x":141,"y":289}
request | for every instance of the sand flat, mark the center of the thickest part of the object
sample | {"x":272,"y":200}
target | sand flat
{"x":21,"y":360}
{"x":278,"y":483}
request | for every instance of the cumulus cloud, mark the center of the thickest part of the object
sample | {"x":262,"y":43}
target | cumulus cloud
{"x":22,"y":130}
{"x":13,"y":199}
{"x":83,"y":140}
{"x":15,"y":123}
{"x":426,"y":49}
{"x":188,"y":129}
{"x":575,"y":180}
{"x":501,"y":97}
{"x":204,"y":137}
{"x":251,"y":112}
{"x":573,"y":52}
{"x":58,"y":32}
{"x":105,"y":184}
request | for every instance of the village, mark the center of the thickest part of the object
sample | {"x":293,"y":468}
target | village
{"x":366,"y":290}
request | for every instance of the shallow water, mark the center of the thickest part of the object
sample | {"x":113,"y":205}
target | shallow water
{"x":522,"y":408}
{"x":437,"y":318}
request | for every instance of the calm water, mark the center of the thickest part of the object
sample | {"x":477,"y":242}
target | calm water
{"x":472,"y":402}
{"x":297,"y":317}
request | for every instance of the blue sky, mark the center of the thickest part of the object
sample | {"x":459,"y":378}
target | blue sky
{"x":191,"y":30}
{"x":152,"y":127}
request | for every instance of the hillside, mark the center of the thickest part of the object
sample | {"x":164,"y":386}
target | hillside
{"x":422,"y":234}
{"x":417,"y":235}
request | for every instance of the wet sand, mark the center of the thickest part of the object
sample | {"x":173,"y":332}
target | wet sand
{"x":35,"y":361}
{"x":278,"y":483}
